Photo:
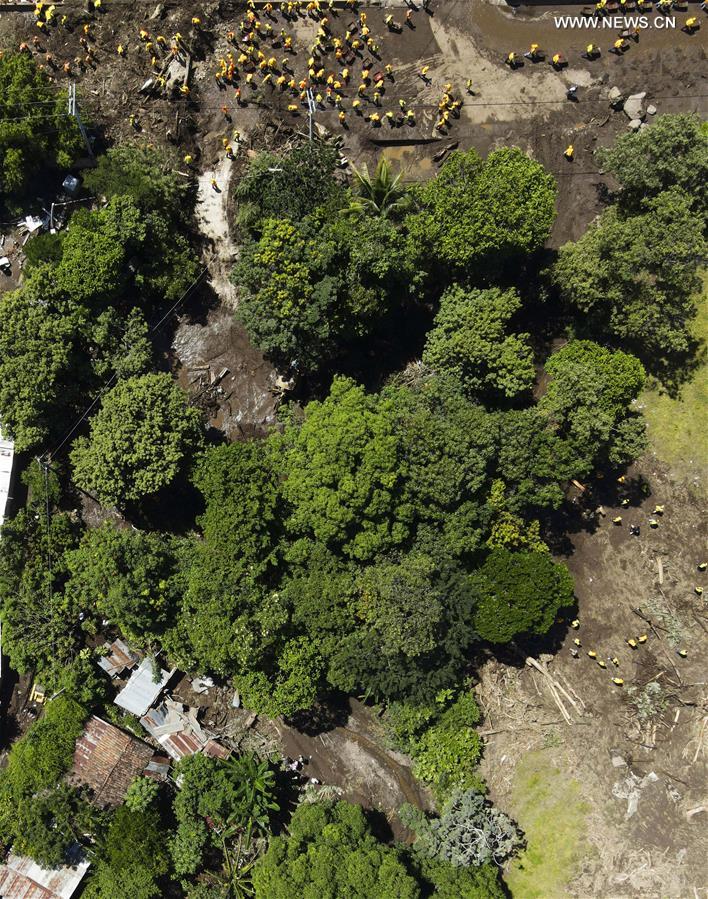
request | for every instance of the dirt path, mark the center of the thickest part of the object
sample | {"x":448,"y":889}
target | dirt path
{"x":350,"y":757}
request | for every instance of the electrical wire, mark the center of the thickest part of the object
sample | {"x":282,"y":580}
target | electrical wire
{"x":69,"y":434}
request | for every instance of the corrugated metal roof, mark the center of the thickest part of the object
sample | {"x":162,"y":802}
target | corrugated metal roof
{"x":176,"y":729}
{"x":21,"y":878}
{"x":107,"y":760}
{"x":141,"y":691}
{"x":181,"y":745}
{"x":118,"y":659}
{"x":158,"y":767}
{"x":216,"y":750}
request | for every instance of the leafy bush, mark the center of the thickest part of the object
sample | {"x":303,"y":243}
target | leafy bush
{"x":141,"y":793}
{"x":468,"y":832}
{"x":39,"y":814}
{"x":519,"y":593}
{"x":441,"y":739}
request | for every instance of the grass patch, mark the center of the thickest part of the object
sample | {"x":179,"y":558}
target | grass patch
{"x":547,"y":805}
{"x":676,"y":427}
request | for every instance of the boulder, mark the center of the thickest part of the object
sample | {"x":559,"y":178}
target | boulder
{"x":651,"y":109}
{"x":633,"y":107}
{"x":615,"y":96}
{"x":635,"y":124}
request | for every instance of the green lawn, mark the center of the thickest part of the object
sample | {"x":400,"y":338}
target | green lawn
{"x":677,"y":427}
{"x":547,"y":805}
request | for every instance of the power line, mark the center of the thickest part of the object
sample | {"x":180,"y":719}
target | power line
{"x":42,"y":116}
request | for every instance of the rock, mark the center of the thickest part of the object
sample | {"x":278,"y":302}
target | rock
{"x":650,"y":778}
{"x":651,"y":109}
{"x":633,"y":108}
{"x":618,"y":761}
{"x":635,"y":124}
{"x":615,"y":96}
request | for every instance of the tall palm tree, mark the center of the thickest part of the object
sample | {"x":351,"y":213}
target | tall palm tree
{"x":383,"y":194}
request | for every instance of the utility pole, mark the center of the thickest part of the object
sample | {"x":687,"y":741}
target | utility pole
{"x":74,"y":113}
{"x":311,"y":108}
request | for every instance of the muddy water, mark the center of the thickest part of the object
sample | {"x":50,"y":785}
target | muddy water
{"x":506,"y":28}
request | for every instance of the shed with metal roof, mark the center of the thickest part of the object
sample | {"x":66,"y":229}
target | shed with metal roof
{"x":142,"y":690}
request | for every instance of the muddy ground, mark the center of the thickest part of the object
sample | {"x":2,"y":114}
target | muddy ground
{"x":642,"y":780}
{"x":340,"y":742}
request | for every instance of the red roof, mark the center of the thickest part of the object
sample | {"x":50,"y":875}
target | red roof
{"x":108,"y":760}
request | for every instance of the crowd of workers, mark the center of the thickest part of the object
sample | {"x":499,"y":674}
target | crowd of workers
{"x":634,"y":642}
{"x":341,"y":71}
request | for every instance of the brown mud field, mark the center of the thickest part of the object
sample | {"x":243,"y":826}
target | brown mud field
{"x":641,"y":778}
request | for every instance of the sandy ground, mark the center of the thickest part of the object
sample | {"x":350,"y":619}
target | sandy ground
{"x":212,"y":219}
{"x":643,"y":842}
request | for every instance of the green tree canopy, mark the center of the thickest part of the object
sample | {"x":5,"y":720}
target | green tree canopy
{"x":291,"y":185}
{"x":235,"y":798}
{"x":132,"y":859}
{"x":124,"y":575}
{"x":630,"y":292}
{"x":589,"y":403}
{"x":39,"y":816}
{"x":163,"y":262}
{"x":480,"y":215}
{"x":410,"y":632}
{"x":448,"y":447}
{"x":38,"y":348}
{"x":308,"y":288}
{"x":519,"y":593}
{"x":344,"y":474}
{"x":144,"y":174}
{"x":74,"y":323}
{"x":142,"y":436}
{"x":471,"y":342}
{"x":39,"y":633}
{"x":228,"y":621}
{"x":443,"y":881}
{"x":330,"y":851}
{"x":672,"y":153}
{"x":35,"y":130}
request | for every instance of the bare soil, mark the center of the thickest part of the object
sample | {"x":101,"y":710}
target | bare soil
{"x":643,"y":840}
